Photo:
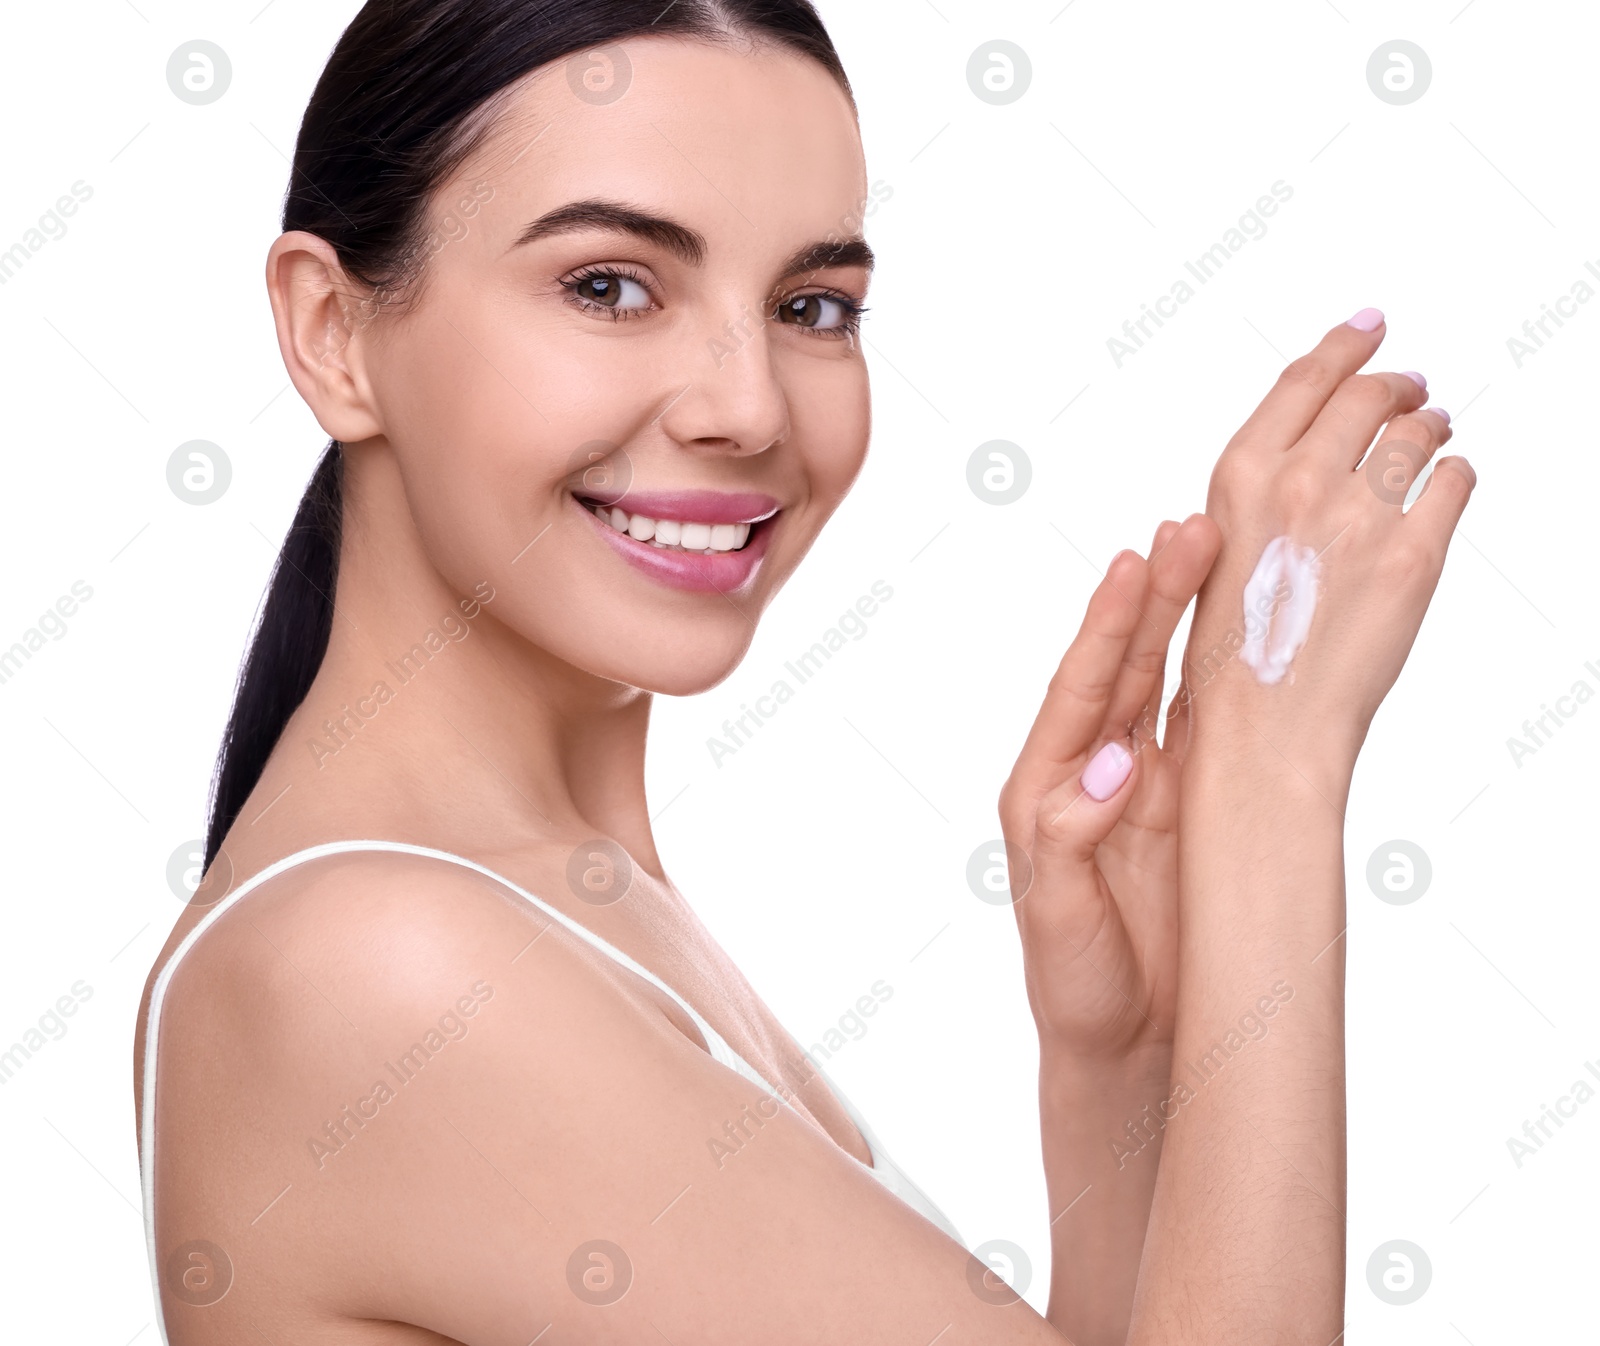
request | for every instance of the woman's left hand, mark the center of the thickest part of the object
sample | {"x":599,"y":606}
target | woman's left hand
{"x":1090,"y":816}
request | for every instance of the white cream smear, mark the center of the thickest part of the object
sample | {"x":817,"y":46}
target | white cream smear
{"x":1279,"y":602}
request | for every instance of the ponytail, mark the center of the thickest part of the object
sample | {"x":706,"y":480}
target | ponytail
{"x":290,"y":641}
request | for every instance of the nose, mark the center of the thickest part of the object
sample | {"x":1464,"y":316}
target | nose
{"x":732,"y":402}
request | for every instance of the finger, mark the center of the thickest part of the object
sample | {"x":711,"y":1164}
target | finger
{"x":1074,"y":706}
{"x":1360,"y":407}
{"x":1439,"y":508}
{"x":1163,"y":536}
{"x":1305,"y":386}
{"x":1175,"y":738}
{"x":1070,"y":823}
{"x":1176,"y":574}
{"x":1405,"y":449}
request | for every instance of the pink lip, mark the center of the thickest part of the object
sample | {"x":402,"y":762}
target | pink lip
{"x":689,"y":571}
{"x":696,"y":506}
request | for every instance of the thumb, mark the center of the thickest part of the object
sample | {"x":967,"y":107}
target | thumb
{"x":1078,"y":815}
{"x":1069,"y":897}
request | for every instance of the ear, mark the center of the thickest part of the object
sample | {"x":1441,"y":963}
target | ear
{"x":321,"y":316}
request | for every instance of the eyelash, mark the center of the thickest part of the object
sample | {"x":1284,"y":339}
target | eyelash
{"x":853,"y":309}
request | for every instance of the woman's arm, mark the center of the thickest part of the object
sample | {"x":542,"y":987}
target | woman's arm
{"x":1093,"y":844}
{"x":1100,"y":1181}
{"x":1246,"y":1235}
{"x":1251,"y":1196}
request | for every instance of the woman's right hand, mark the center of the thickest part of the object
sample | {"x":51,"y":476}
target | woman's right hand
{"x":1251,"y":1188}
{"x":1299,"y":468}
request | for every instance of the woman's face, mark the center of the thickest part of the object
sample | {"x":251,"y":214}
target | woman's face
{"x":643,"y":303}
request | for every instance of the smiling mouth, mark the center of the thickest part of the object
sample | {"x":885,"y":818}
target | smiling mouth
{"x":695,"y":539}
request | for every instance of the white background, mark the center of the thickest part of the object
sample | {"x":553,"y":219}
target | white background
{"x":831,"y":851}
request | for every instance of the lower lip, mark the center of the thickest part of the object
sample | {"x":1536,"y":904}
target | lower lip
{"x":693,"y":572}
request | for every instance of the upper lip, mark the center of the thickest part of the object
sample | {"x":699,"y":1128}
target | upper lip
{"x":694,"y":506}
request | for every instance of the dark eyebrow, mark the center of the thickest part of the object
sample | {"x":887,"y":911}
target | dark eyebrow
{"x":820,"y":256}
{"x":685,"y":243}
{"x":688,"y":245}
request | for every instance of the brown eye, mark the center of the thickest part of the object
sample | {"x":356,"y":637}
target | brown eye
{"x":600,"y":290}
{"x":605,"y":289}
{"x":817,"y":311}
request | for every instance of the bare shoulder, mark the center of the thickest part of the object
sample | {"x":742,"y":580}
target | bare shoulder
{"x":344,"y":951}
{"x":312,"y":1044}
{"x":328,"y":937}
{"x":399,"y":1101}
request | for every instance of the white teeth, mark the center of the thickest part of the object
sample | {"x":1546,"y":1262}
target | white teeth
{"x":675,"y":535}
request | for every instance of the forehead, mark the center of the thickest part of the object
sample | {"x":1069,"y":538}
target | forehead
{"x":754,"y":145}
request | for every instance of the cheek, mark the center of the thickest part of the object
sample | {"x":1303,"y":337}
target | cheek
{"x":464,"y":440}
{"x":487,"y":421}
{"x":463,"y":397}
{"x":833,"y":423}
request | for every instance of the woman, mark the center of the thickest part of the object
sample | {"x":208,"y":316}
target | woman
{"x":573,"y":287}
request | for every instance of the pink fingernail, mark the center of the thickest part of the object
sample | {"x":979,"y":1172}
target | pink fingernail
{"x":1439,"y":411}
{"x":1106,"y":771}
{"x":1368,"y":320}
{"x":1417,"y":379}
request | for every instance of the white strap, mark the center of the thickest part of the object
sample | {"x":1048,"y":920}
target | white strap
{"x":719,"y":1048}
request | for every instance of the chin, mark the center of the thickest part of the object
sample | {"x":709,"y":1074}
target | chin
{"x":686,"y":672}
{"x":675,"y":662}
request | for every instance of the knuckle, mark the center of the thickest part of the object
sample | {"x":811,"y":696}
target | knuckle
{"x":1459,"y":478}
{"x":1299,"y":488}
{"x":1055,"y":821}
{"x":1412,"y":560}
{"x":1366,"y":392}
{"x":1421,"y":427}
{"x":1145,"y":662}
{"x":1077,"y":685}
{"x":1311,"y":368}
{"x":1232,"y":475}
{"x":1012,"y":795}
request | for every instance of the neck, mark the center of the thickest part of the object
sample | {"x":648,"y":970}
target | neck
{"x":432,"y":720}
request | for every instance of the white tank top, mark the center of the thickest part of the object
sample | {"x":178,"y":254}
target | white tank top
{"x":882,"y":1167}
